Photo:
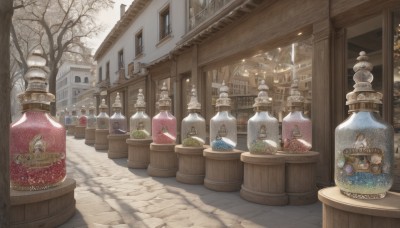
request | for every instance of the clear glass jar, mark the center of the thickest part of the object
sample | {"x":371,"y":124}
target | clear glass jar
{"x":102,"y":120}
{"x":296,"y":132}
{"x":164,"y":127}
{"x":223,"y":130}
{"x":91,"y":119}
{"x":263,"y":133}
{"x":140,"y":125}
{"x":118,"y":122}
{"x":193,"y":130}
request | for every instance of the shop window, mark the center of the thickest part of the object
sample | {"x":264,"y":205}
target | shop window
{"x":165,"y":23}
{"x":278,"y":67}
{"x":86,"y":80}
{"x":108,"y":71}
{"x":100,"y":74}
{"x":201,"y":10}
{"x":121,"y":59}
{"x":139,"y":43}
{"x":77,"y":79}
{"x":396,"y":97}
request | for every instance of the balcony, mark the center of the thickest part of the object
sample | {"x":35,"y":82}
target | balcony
{"x":198,"y":13}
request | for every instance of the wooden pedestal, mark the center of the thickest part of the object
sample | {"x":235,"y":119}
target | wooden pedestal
{"x":101,"y":140}
{"x":45,"y":208}
{"x":224,"y":170}
{"x":117,"y":147}
{"x":191,"y":164}
{"x":90,"y":136}
{"x":300,"y":178}
{"x":138,"y":153}
{"x":344,"y":212}
{"x":264,"y":179}
{"x":163,"y":160}
{"x":79,"y":132}
{"x":71,"y":130}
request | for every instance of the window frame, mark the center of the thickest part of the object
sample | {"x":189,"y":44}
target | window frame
{"x":120,"y":59}
{"x":139,"y":43}
{"x":165,"y":29}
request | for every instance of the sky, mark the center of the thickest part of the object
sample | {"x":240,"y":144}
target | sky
{"x":108,"y":18}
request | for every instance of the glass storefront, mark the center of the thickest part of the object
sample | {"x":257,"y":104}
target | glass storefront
{"x":396,"y":97}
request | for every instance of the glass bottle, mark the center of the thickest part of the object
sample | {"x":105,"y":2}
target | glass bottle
{"x":61,"y":118}
{"x":364,"y":147}
{"x":193,"y":128}
{"x":102,"y":120}
{"x":91,"y":118}
{"x":296,"y":128}
{"x":67,"y":118}
{"x":37,"y":140}
{"x":164,"y":123}
{"x":74,"y":116}
{"x":223,"y":126}
{"x":262,"y":128}
{"x":118,"y":124}
{"x":82,"y":121}
{"x":140,"y":123}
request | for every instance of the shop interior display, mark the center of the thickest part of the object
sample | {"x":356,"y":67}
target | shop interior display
{"x":91,"y":118}
{"x":140,"y":123}
{"x":103,"y":118}
{"x":83,"y":117}
{"x":118,"y":122}
{"x":364,"y":142}
{"x":193,"y":128}
{"x":223,"y":126}
{"x":262,"y":128}
{"x":164,"y":123}
{"x":37,"y":141}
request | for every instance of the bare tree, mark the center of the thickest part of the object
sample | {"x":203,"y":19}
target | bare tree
{"x":6,"y":13}
{"x":59,"y":27}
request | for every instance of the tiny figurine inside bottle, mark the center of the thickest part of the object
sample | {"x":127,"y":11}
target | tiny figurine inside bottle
{"x":82,"y":121}
{"x":223,"y":126}
{"x":37,"y":140}
{"x":296,"y":128}
{"x":140,"y":123}
{"x":91,"y":119}
{"x":262,"y":128}
{"x":193,"y":127}
{"x":118,"y":123}
{"x":364,"y":142}
{"x":102,"y":120}
{"x":74,"y":116}
{"x":164,"y":123}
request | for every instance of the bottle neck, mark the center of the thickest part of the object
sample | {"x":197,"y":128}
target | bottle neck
{"x":364,"y":107}
{"x":37,"y":107}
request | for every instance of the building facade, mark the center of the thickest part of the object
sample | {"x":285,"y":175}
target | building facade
{"x":72,"y":80}
{"x":244,"y":41}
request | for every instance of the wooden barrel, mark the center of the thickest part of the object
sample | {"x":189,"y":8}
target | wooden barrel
{"x":101,"y":141}
{"x":79,"y":132}
{"x":341,"y":211}
{"x":264,"y":179}
{"x":71,"y":130}
{"x":163,"y":160}
{"x":117,"y":147}
{"x":90,"y":136}
{"x":300,"y":178}
{"x":138,"y":153}
{"x":224,"y":170}
{"x":191,"y":169}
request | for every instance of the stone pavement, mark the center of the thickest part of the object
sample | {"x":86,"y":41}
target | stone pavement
{"x":108,"y":194}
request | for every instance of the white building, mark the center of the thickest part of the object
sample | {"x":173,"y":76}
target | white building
{"x":72,"y":79}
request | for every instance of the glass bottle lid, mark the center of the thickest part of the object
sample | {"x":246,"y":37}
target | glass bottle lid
{"x":117,"y":102}
{"x":103,"y":105}
{"x":223,"y":99}
{"x":83,"y":109}
{"x":73,"y":110}
{"x":295,"y":99}
{"x":140,"y":103}
{"x":164,"y":101}
{"x":91,"y":107}
{"x":262,"y":100}
{"x":193,"y":103}
{"x":363,"y":96}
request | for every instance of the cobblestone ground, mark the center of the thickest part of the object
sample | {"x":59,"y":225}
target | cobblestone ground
{"x":108,"y":194}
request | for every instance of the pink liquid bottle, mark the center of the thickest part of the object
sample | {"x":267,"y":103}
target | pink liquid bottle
{"x":82,"y":121}
{"x":37,"y":140}
{"x":164,"y":123}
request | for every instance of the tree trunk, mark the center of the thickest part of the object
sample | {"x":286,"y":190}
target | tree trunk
{"x":52,"y":89}
{"x":6,"y":12}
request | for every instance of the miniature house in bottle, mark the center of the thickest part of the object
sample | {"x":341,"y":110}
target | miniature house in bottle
{"x":102,"y":125}
{"x":364,"y":142}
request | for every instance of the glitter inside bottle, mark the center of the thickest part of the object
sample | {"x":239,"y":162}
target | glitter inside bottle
{"x":140,"y":123}
{"x":37,"y":140}
{"x":296,"y":128}
{"x":364,"y":142}
{"x":193,"y":128}
{"x":118,"y":122}
{"x":91,"y":118}
{"x":262,"y":128}
{"x":164,"y":123}
{"x":102,"y":120}
{"x":223,"y":126}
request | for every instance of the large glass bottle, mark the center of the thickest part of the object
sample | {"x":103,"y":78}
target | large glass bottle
{"x":164,"y":123}
{"x":193,"y":128}
{"x":296,"y":128}
{"x":82,"y":120}
{"x":37,"y":140}
{"x":223,"y":126}
{"x":364,"y":142}
{"x":91,"y":118}
{"x":262,"y":128}
{"x":74,"y":116}
{"x":118,"y":124}
{"x":140,"y":123}
{"x":67,"y":118}
{"x":102,"y":120}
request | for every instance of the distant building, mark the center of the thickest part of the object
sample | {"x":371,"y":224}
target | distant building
{"x":72,"y":80}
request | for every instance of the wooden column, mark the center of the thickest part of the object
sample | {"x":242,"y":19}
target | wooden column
{"x":321,"y":109}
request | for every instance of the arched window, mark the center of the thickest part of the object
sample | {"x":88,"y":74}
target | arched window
{"x":77,"y":79}
{"x":86,"y":80}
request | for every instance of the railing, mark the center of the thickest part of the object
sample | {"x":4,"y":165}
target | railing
{"x":205,"y":12}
